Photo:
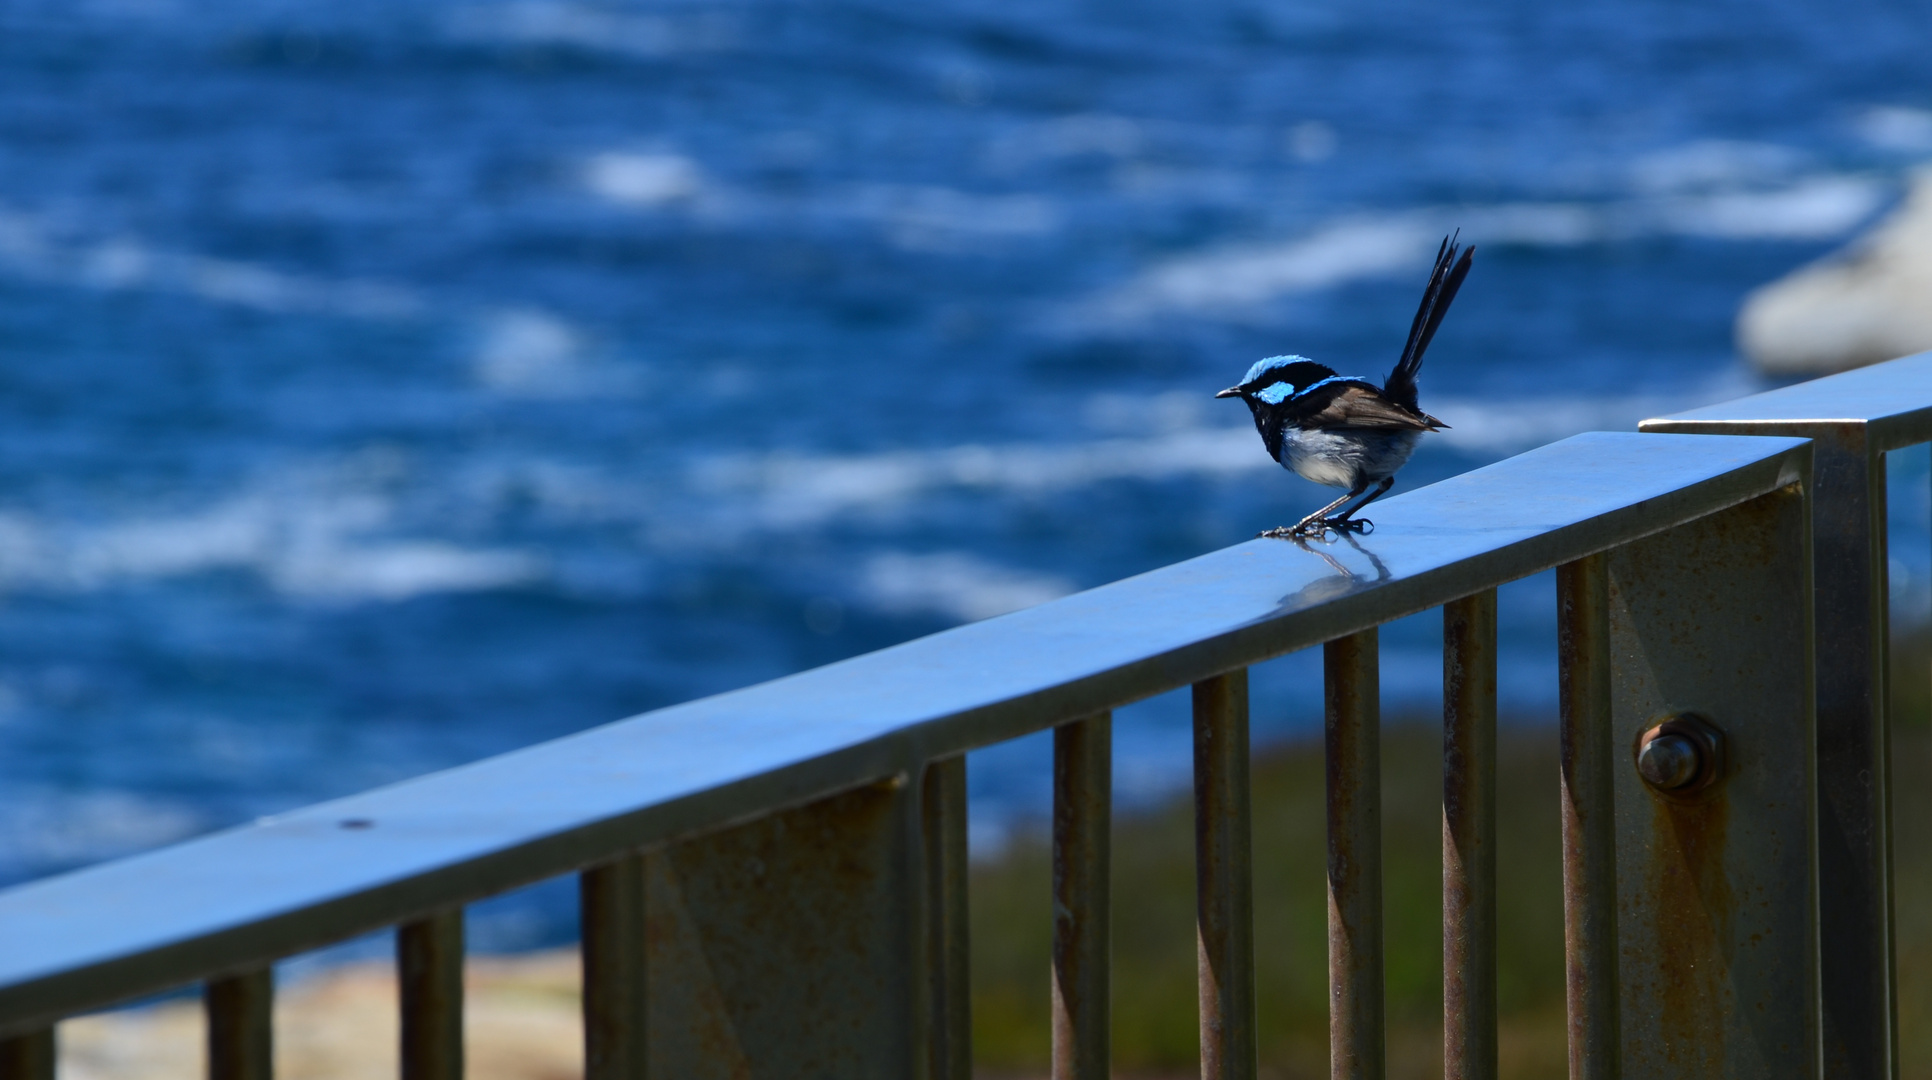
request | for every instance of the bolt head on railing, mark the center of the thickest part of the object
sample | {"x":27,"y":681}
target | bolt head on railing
{"x":1682,"y":756}
{"x":1669,"y":762}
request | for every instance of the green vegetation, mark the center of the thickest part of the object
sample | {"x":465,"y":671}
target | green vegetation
{"x":1912,"y":847}
{"x":1154,"y":1018}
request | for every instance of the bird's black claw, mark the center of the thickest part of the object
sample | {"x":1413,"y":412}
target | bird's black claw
{"x":1318,"y":529}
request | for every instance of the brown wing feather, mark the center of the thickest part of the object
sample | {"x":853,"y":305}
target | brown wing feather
{"x":1360,"y":407}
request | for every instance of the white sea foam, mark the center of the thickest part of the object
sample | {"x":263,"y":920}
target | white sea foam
{"x":400,"y":570}
{"x":1239,"y":281}
{"x":318,"y":536}
{"x":928,"y":218}
{"x":29,"y":249}
{"x":916,"y":217}
{"x":1238,"y":278}
{"x":1897,"y":127}
{"x":1551,"y":224}
{"x":1818,"y":209}
{"x":592,"y":28}
{"x":954,"y":584}
{"x":530,"y":352}
{"x":1713,"y":163}
{"x":39,"y":826}
{"x":643,"y":179}
{"x":1066,"y":136}
{"x":522,"y":350}
{"x":787,"y":490}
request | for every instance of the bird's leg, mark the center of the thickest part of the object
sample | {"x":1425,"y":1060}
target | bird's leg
{"x":1314,"y":524}
{"x":1342,"y":523}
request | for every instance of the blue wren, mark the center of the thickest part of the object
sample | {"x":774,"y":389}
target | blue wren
{"x":1342,"y":430}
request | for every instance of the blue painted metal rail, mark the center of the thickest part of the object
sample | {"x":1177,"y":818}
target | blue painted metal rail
{"x":798,"y":847}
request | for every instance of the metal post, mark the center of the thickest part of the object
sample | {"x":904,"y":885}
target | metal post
{"x":1588,"y":816}
{"x":28,"y":1057}
{"x":429,"y":968}
{"x":1352,"y":680}
{"x":240,"y":1027}
{"x":1223,"y":877}
{"x":1082,"y":934}
{"x":612,"y":897}
{"x":944,"y":794}
{"x":1469,"y":837}
{"x":1857,"y":959}
{"x":1856,"y":962}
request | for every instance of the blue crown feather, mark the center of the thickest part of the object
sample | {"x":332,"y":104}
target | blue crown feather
{"x":1262,"y":366}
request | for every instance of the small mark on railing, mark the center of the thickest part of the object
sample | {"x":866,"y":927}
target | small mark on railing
{"x":356,"y":823}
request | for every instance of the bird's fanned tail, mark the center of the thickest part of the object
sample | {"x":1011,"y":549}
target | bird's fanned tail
{"x":1444,"y":280}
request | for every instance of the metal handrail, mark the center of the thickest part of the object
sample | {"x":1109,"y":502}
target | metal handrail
{"x":891,"y":727}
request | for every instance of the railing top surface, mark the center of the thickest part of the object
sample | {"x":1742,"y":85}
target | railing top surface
{"x":301,"y":879}
{"x":1890,"y":404}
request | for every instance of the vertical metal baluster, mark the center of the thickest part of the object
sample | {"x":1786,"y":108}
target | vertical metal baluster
{"x":945,"y":829}
{"x":429,"y":969}
{"x":612,"y":897}
{"x":28,"y":1057}
{"x":1857,"y":957}
{"x":240,"y":1030}
{"x":1082,"y":933}
{"x":1224,"y":877}
{"x":1469,"y":837}
{"x":1589,"y":824}
{"x":1352,"y":679}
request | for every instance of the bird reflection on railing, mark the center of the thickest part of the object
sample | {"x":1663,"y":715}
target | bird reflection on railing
{"x":1345,"y":580}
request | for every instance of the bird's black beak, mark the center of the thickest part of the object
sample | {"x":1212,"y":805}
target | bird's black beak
{"x":1232,"y":391}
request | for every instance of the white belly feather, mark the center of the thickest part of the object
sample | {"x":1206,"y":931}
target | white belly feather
{"x":1346,"y":457}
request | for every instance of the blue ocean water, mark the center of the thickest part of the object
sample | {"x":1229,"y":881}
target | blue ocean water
{"x":386,"y":385}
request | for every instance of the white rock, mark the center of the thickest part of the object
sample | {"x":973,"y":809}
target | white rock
{"x":1868,"y":302}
